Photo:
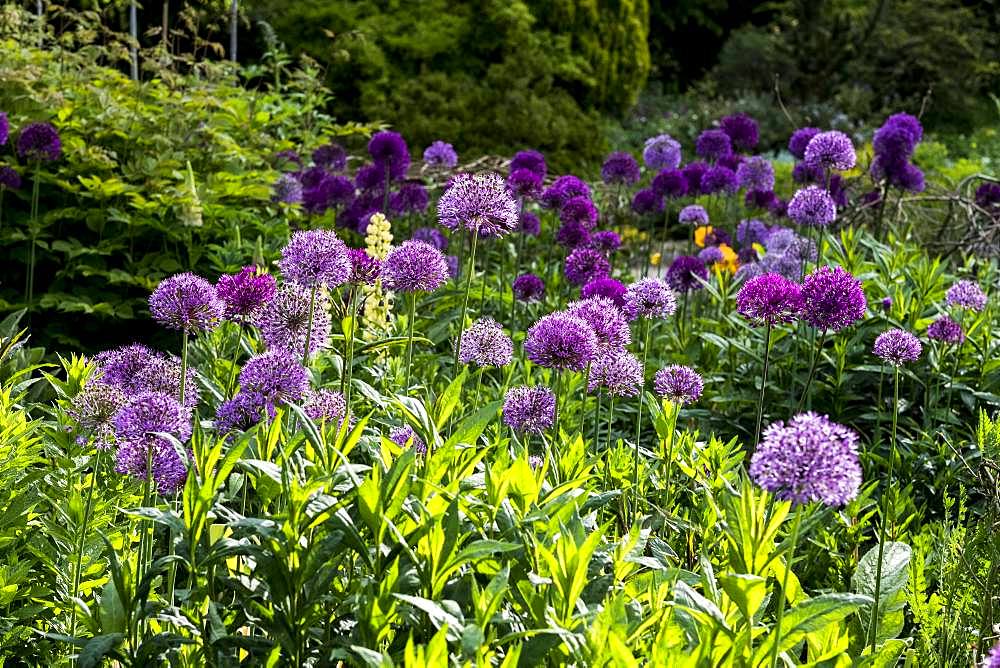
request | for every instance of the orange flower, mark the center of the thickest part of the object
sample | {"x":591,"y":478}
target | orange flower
{"x":730,"y":261}
{"x":700,"y":233}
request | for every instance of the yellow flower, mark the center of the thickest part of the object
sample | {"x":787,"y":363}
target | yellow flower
{"x":654,"y":259}
{"x":378,"y":302}
{"x":730,"y":261}
{"x":700,"y":233}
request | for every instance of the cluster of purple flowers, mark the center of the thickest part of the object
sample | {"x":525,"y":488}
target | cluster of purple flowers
{"x":529,"y":410}
{"x":894,"y":144}
{"x":480,"y":203}
{"x":897,"y":347}
{"x":485,"y":344}
{"x":678,"y":384}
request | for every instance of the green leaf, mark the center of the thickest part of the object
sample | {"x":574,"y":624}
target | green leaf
{"x":746,"y":591}
{"x":448,"y":401}
{"x":808,"y":617}
{"x":887,"y":655}
{"x":97,"y":648}
{"x":471,"y":428}
{"x":895,"y":574}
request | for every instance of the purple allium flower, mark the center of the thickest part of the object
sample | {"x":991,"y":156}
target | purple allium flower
{"x":731,"y":161}
{"x":713,"y":145}
{"x":440,"y":155}
{"x":909,"y":178}
{"x":887,"y":304}
{"x":39,"y":142}
{"x":4,"y":129}
{"x":432,"y":236}
{"x":585,"y":264}
{"x":572,"y":235}
{"x":478,"y":202}
{"x":322,"y":191}
{"x":485,"y":343}
{"x":532,"y":160}
{"x":186,"y":302}
{"x":670,"y":183}
{"x":747,"y":254}
{"x":525,"y":183}
{"x":287,"y":190}
{"x":606,"y":319}
{"x":620,"y":167}
{"x":684,"y":273}
{"x":832,"y":299}
{"x":414,"y":266}
{"x":561,"y":341}
{"x":992,"y":660}
{"x":752,"y":231}
{"x":579,"y":210}
{"x":718,"y":179}
{"x":452,"y":261}
{"x":605,"y":287}
{"x":831,"y":150}
{"x":646,"y":202}
{"x":404,"y":435}
{"x":812,"y":206}
{"x":897,"y":347}
{"x":287,"y":157}
{"x":649,"y":298}
{"x":388,"y":150}
{"x":137,"y":426}
{"x":330,"y":156}
{"x":528,"y":288}
{"x":694,"y":172}
{"x":619,"y":372}
{"x":93,"y":408}
{"x":327,"y":406}
{"x":245,"y":292}
{"x":769,"y":299}
{"x":678,"y":384}
{"x":530,"y":224}
{"x":711,"y":255}
{"x":742,"y":130}
{"x":530,"y":410}
{"x":411,"y":197}
{"x":987,"y":195}
{"x":606,"y":241}
{"x":808,"y":459}
{"x":946,"y":330}
{"x":966,"y":295}
{"x":800,"y":139}
{"x":756,"y":173}
{"x":370,"y":178}
{"x":243,"y":412}
{"x":9,"y":178}
{"x":662,"y":152}
{"x":365,"y":269}
{"x":315,"y":257}
{"x":563,"y":189}
{"x":135,"y":369}
{"x":893,"y":143}
{"x":275,"y":374}
{"x":284,"y":320}
{"x":694,"y":214}
{"x":909,"y":123}
{"x":803,"y":172}
{"x":760,"y":199}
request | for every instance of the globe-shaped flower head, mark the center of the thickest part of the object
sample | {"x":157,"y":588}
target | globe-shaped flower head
{"x":138,"y":426}
{"x":756,"y":174}
{"x":992,"y":659}
{"x":528,"y":288}
{"x":562,"y":190}
{"x":670,"y":183}
{"x":831,"y":150}
{"x":585,"y":264}
{"x":275,"y":374}
{"x":618,"y":372}
{"x":662,"y":152}
{"x":812,"y":206}
{"x":243,"y":412}
{"x":713,"y":145}
{"x":479,"y":202}
{"x":966,"y":295}
{"x":524,"y":183}
{"x":832,"y":299}
{"x":606,"y":319}
{"x":245,"y":292}
{"x":389,"y":152}
{"x":606,"y":241}
{"x":647,"y":202}
{"x":405,"y":435}
{"x":897,"y":347}
{"x":531,"y":160}
{"x":93,"y":408}
{"x":561,"y":341}
{"x":648,"y":298}
{"x":432,"y":236}
{"x":580,"y":210}
{"x":412,"y":197}
{"x":135,"y":369}
{"x":719,"y":179}
{"x":808,"y":459}
{"x":327,"y":406}
{"x":743,"y":131}
{"x":330,"y":156}
{"x":186,"y":302}
{"x":9,"y":178}
{"x":440,"y":155}
{"x":39,"y":142}
{"x":365,"y":269}
{"x":694,"y":172}
{"x":799,"y":141}
{"x":678,"y":384}
{"x":284,"y":321}
{"x":485,"y":344}
{"x":287,"y":190}
{"x":605,"y":287}
{"x":414,"y":266}
{"x":529,"y":410}
{"x":693,"y":214}
{"x":769,"y":299}
{"x":315,"y":257}
{"x":684,"y":274}
{"x":620,"y":168}
{"x":945,"y":330}
{"x":530,"y":224}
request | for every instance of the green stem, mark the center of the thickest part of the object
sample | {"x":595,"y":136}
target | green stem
{"x":557,"y":389}
{"x":676,"y":411}
{"x":597,"y":417}
{"x":349,"y":364}
{"x":35,"y":189}
{"x":886,"y":513}
{"x":784,"y":588}
{"x":812,"y":372}
{"x":583,"y":400}
{"x":611,"y":417}
{"x":184,"y":364}
{"x":77,"y":571}
{"x":309,"y":326}
{"x":465,"y":299}
{"x":638,"y":422}
{"x":763,"y":384}
{"x":236,"y":354}
{"x":409,"y":336}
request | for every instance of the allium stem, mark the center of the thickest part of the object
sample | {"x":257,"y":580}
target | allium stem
{"x":557,"y":390}
{"x":184,"y":364}
{"x":611,"y":417}
{"x":349,"y":364}
{"x":87,"y":509}
{"x":763,"y":384}
{"x":30,"y":288}
{"x":465,"y":299}
{"x":236,"y":354}
{"x":309,"y":325}
{"x":672,"y":440}
{"x":812,"y":372}
{"x":638,"y":421}
{"x":597,"y":417}
{"x":784,"y":589}
{"x":583,"y":399}
{"x":886,"y":512}
{"x":409,"y":335}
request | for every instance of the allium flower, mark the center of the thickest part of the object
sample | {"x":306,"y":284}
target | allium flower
{"x":742,"y":130}
{"x":646,"y":202}
{"x":137,"y":425}
{"x":887,"y":304}
{"x":388,"y":150}
{"x":585,"y":264}
{"x":812,"y":206}
{"x":432,"y":236}
{"x":579,"y":210}
{"x":909,"y":123}
{"x":711,"y":255}
{"x":245,"y":292}
{"x":135,"y":369}
{"x":800,"y":139}
{"x":327,"y":406}
{"x":803,"y":172}
{"x":529,"y":410}
{"x":670,"y":183}
{"x":966,"y":295}
{"x":414,"y":266}
{"x":562,"y":189}
{"x":330,"y":191}
{"x":365,"y":269}
{"x":572,"y":235}
{"x":4,"y":129}
{"x":411,"y":197}
{"x":404,"y":435}
{"x":719,"y":179}
{"x":440,"y":155}
{"x":330,"y":156}
{"x":992,"y":660}
{"x":371,"y":178}
{"x":946,"y":330}
{"x":756,"y":173}
{"x":760,"y":199}
{"x":605,"y":287}
{"x":478,"y":202}
{"x":808,"y":459}
{"x":694,"y":214}
{"x":452,"y":262}
{"x":831,"y":150}
{"x":485,"y":343}
{"x":525,"y":183}
{"x":93,"y":409}
{"x":713,"y":145}
{"x":186,"y":302}
{"x":684,"y":273}
{"x":678,"y":384}
{"x":528,"y":288}
{"x":897,"y":347}
{"x":893,"y":143}
{"x":606,"y":241}
{"x":648,"y":298}
{"x":243,"y":412}
{"x":283,"y":321}
{"x":315,"y":257}
{"x":39,"y":142}
{"x":530,"y":224}
{"x":619,"y":372}
{"x":605,"y":318}
{"x":752,"y":231}
{"x":532,"y":160}
{"x":275,"y":374}
{"x":561,"y":341}
{"x":9,"y":178}
{"x":287,"y":190}
{"x":769,"y":299}
{"x":694,"y":172}
{"x":620,"y":167}
{"x":662,"y":152}
{"x":832,"y":299}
